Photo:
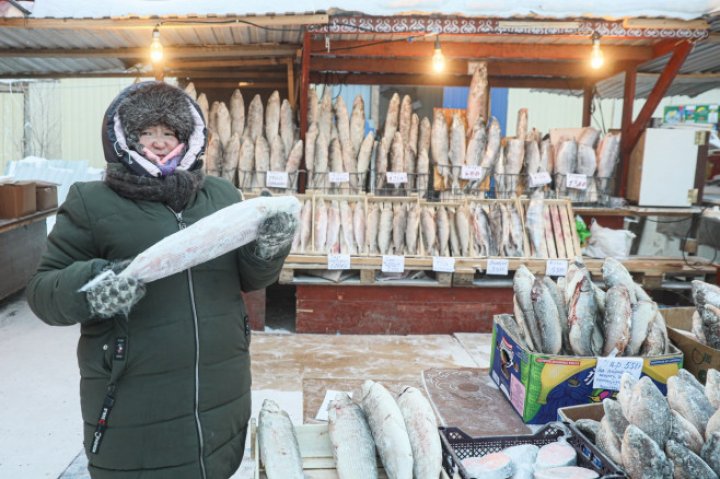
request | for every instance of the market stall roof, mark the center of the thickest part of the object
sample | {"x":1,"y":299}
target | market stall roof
{"x":530,"y":44}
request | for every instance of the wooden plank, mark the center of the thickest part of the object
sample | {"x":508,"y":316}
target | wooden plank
{"x":461,"y":280}
{"x":432,"y":79}
{"x":568,"y":228}
{"x":550,"y":250}
{"x":557,"y":232}
{"x":444,"y":279}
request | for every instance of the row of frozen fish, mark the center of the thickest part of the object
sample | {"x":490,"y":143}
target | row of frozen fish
{"x":402,"y":431}
{"x":242,"y":147}
{"x":658,"y":437}
{"x":576,"y":317}
{"x":471,"y":229}
{"x":706,"y":319}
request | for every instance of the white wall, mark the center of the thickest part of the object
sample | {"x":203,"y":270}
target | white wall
{"x":11,"y":125}
{"x":552,"y":110}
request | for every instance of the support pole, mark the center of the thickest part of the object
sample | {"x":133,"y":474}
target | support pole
{"x":305,"y":85}
{"x":291,"y":83}
{"x":587,"y":104}
{"x":627,"y":113}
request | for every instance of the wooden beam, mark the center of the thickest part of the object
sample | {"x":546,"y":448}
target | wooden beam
{"x":478,"y":51}
{"x":444,"y":80}
{"x":224,"y":74}
{"x":658,"y":92}
{"x":170,"y":52}
{"x":291,"y":84}
{"x":305,"y":85}
{"x":204,"y":83}
{"x":252,"y":62}
{"x":173,"y":22}
{"x":587,"y":104}
{"x":627,"y":117}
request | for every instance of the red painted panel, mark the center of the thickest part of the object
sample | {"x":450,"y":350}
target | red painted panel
{"x":255,"y":305}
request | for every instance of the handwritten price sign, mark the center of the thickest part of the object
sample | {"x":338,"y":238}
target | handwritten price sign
{"x":578,"y":182}
{"x":471,"y":172}
{"x":539,"y":179}
{"x":339,"y":176}
{"x":443,"y":264}
{"x":498,"y":267}
{"x":276,"y":179}
{"x":608,"y":371}
{"x":393,"y":264}
{"x":338,"y":261}
{"x":396,"y":177}
{"x":556,"y":267}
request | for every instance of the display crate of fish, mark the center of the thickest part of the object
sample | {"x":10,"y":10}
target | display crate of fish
{"x":316,"y":451}
{"x":538,"y":384}
{"x":458,"y":446}
{"x":550,"y":227}
{"x":497,"y":228}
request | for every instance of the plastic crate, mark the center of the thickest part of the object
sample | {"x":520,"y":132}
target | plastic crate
{"x":457,"y":446}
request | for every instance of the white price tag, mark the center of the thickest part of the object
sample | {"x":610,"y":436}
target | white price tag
{"x":443,"y":264}
{"x":556,"y":267}
{"x":393,"y":264}
{"x":497,"y":267}
{"x":539,"y":179}
{"x":276,"y":179}
{"x":396,"y":177}
{"x":473,"y":172}
{"x":578,"y":182}
{"x":339,"y":176}
{"x":338,"y":261}
{"x":608,"y":371}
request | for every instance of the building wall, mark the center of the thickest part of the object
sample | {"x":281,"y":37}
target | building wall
{"x":11,"y":124}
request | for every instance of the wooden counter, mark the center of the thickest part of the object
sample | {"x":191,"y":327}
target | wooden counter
{"x":22,"y":243}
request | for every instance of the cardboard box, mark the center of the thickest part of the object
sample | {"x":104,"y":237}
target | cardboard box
{"x":46,"y":196}
{"x":593,"y":411}
{"x":17,"y":199}
{"x":537,"y":385}
{"x":698,"y":357}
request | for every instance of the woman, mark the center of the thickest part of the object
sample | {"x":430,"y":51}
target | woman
{"x":165,"y":367}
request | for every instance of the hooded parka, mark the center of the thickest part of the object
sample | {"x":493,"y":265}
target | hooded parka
{"x":165,"y":392}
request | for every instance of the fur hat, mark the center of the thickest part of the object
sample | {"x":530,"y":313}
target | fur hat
{"x":156,"y":104}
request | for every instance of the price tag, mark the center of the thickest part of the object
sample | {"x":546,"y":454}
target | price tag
{"x":608,"y":371}
{"x":396,"y":177}
{"x":339,"y":176}
{"x":338,"y":261}
{"x":393,"y":264}
{"x":276,"y":179}
{"x":578,"y":182}
{"x":443,"y":264}
{"x":556,"y":267}
{"x":497,"y":267}
{"x":540,"y":178}
{"x":473,"y":172}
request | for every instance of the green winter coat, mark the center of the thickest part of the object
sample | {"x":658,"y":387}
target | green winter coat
{"x":180,"y":361}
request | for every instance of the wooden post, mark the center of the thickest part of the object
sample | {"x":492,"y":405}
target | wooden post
{"x":627,"y":113}
{"x":305,"y":85}
{"x":159,"y":71}
{"x":587,"y":104}
{"x":291,"y":83}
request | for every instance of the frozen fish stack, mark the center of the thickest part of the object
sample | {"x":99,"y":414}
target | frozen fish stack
{"x":337,"y":151}
{"x":244,"y":147}
{"x":706,"y":319}
{"x":402,"y":430}
{"x":652,"y":436}
{"x":576,"y":317}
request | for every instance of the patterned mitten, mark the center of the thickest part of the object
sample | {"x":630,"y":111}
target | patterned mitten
{"x":114,"y":295}
{"x":275,"y":234}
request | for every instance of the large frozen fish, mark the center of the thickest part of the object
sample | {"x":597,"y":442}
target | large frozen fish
{"x":454,"y":240}
{"x":202,"y":102}
{"x":643,"y":312}
{"x":388,"y":430}
{"x":428,"y":231}
{"x":399,"y":228}
{"x":352,"y":442}
{"x":608,"y":153}
{"x":616,"y":324}
{"x":522,"y":124}
{"x":262,"y":161}
{"x":372,"y":228}
{"x":687,"y":464}
{"x":255,"y":118}
{"x":535,"y":224}
{"x":397,"y":154}
{"x":423,"y":432}
{"x":342,"y":120}
{"x":711,"y":452}
{"x":649,"y":410}
{"x":294,"y":157}
{"x":462,"y":225}
{"x":457,"y":150}
{"x":522,"y":287}
{"x":313,"y":115}
{"x":320,"y":226}
{"x":533,"y":159}
{"x":686,"y":396}
{"x":476,"y":143}
{"x":237,"y":113}
{"x":231,"y":158}
{"x":439,"y":146}
{"x":305,"y":226}
{"x":287,"y":125}
{"x":683,"y":432}
{"x":586,"y":161}
{"x":607,"y":440}
{"x":277,"y":154}
{"x":325,"y":121}
{"x":359,"y":226}
{"x":615,"y":417}
{"x":423,"y":142}
{"x":412,"y":229}
{"x":381,"y":162}
{"x":347,"y":240}
{"x":310,"y":139}
{"x":392,"y":117}
{"x":548,"y":321}
{"x":357,"y":124}
{"x":190,"y":90}
{"x":712,"y":387}
{"x":279,"y":448}
{"x":414,"y":132}
{"x":213,"y":155}
{"x":212,"y":117}
{"x":246,"y":163}
{"x":364,"y":153}
{"x":422,"y":169}
{"x":482,"y":239}
{"x":272,"y":117}
{"x":493,"y":145}
{"x":405,"y":118}
{"x":657,"y":341}
{"x":477,"y":103}
{"x":443,"y":231}
{"x":349,"y":163}
{"x":642,"y":458}
{"x":386,"y":228}
{"x":588,"y":136}
{"x":332,"y":242}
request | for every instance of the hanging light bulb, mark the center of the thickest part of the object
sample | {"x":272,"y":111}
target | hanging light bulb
{"x":438,"y":59}
{"x":596,"y":56}
{"x":156,"y":48}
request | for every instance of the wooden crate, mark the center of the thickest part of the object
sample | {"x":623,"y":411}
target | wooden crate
{"x":561,"y":238}
{"x":316,"y":451}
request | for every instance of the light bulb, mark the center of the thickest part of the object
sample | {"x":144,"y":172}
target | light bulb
{"x":438,"y":59}
{"x":596,"y":56}
{"x":156,"y":48}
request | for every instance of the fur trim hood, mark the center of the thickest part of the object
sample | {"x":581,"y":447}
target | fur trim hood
{"x":145,"y":104}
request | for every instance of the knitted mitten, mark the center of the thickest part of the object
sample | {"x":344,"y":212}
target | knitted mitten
{"x":275,"y":235}
{"x":114,"y":295}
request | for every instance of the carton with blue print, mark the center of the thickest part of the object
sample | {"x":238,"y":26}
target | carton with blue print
{"x":538,"y":384}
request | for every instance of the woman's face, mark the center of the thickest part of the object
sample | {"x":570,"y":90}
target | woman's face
{"x":159,"y":139}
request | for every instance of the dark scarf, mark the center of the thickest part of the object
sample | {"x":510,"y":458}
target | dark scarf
{"x":175,"y":190}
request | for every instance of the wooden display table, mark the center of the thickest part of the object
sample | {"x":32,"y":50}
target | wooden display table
{"x":22,"y":243}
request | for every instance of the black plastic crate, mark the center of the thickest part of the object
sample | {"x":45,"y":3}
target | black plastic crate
{"x":457,"y":446}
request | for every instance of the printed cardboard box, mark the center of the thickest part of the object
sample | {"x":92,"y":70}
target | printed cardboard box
{"x":537,"y":385}
{"x":698,"y":357}
{"x":17,"y":199}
